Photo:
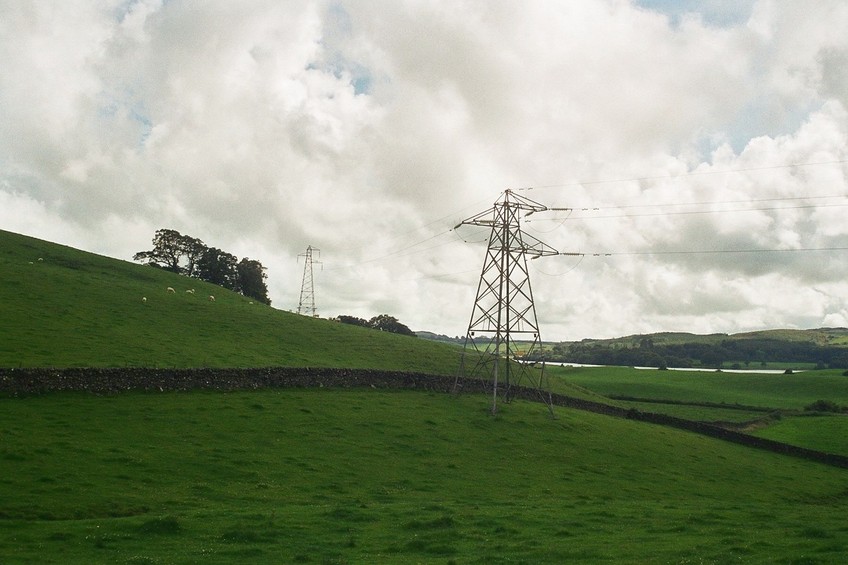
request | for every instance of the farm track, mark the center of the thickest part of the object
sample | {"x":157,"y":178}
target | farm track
{"x":29,"y":382}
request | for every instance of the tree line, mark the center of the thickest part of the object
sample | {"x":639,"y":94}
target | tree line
{"x":736,"y":351}
{"x":383,"y":322}
{"x":189,"y":256}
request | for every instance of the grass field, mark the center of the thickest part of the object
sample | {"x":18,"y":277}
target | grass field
{"x":791,"y":392}
{"x":827,"y":433}
{"x":76,"y":309}
{"x":336,"y":477}
{"x":784,"y":394}
{"x":300,"y":476}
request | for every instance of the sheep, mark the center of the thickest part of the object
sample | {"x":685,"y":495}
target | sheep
{"x":144,"y":299}
{"x":190,"y":291}
{"x":211,"y":298}
{"x":170,"y":290}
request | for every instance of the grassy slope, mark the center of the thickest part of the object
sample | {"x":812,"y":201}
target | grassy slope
{"x":819,"y":336}
{"x":827,"y":433}
{"x":392,"y":477}
{"x":786,"y":393}
{"x":305,"y":476}
{"x":791,"y":392}
{"x":79,"y":309}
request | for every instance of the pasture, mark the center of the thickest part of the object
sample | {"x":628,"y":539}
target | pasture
{"x":727,"y":397}
{"x":791,"y":392}
{"x":318,"y":476}
{"x":372,"y":476}
{"x":77,"y":309}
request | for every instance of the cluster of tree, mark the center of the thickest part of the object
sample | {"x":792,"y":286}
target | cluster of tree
{"x":383,"y":322}
{"x":825,"y":406}
{"x":741,"y":351}
{"x":189,"y":256}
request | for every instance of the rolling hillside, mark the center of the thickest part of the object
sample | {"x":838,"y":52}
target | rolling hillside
{"x":346,"y":476}
{"x":780,"y":348}
{"x":61,"y":307}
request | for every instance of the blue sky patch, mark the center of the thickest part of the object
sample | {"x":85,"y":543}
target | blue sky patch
{"x":716,"y":13}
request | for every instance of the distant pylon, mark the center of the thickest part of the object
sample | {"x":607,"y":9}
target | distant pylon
{"x":306,"y":306}
{"x":504,"y":313}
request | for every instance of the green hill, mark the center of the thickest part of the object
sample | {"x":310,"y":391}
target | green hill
{"x":774,"y":349}
{"x":61,"y":307}
{"x":317,"y":476}
{"x":345,"y":476}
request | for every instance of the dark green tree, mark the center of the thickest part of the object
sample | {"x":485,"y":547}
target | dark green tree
{"x":353,"y":320}
{"x":251,"y":280}
{"x":166,"y":252}
{"x":193,"y":249}
{"x":173,"y":252}
{"x":218,"y":267}
{"x":387,"y":323}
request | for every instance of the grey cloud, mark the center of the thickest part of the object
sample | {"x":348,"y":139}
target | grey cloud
{"x":369,"y":129}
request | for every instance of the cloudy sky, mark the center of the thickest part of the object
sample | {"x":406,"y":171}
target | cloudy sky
{"x":703,"y":147}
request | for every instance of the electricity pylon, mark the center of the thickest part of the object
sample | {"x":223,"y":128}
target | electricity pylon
{"x":503,"y":334}
{"x":306,"y":306}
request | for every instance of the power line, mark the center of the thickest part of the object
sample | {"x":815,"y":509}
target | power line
{"x":683,"y":175}
{"x":745,"y":201}
{"x":696,"y":212}
{"x":570,"y":216}
{"x":396,"y":252}
{"x":720,"y":251}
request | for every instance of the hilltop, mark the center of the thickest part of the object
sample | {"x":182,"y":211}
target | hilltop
{"x":823,"y":347}
{"x":63,"y":307}
{"x":819,"y":336}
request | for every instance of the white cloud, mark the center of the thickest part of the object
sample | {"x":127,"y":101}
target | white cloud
{"x":369,"y":129}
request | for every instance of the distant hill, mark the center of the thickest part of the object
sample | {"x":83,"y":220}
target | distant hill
{"x":823,"y":347}
{"x":62,"y":307}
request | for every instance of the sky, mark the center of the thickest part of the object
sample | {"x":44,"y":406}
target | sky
{"x":702,"y":148}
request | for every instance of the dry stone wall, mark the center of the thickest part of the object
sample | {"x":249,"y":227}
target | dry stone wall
{"x":28,"y":382}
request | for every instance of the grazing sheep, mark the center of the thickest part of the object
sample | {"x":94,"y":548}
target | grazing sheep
{"x":211,"y":298}
{"x":190,"y":291}
{"x":40,"y":259}
{"x":170,"y":290}
{"x":144,"y":299}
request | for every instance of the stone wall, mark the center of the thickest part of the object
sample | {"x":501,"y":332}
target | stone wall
{"x":27,"y":382}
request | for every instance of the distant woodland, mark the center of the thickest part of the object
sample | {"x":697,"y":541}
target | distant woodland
{"x":824,"y":349}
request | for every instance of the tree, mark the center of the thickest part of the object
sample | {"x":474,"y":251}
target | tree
{"x":189,"y":256}
{"x":353,"y":320}
{"x":173,"y":252}
{"x":218,"y":267}
{"x":388,"y":323}
{"x":166,"y":252}
{"x":193,"y":249}
{"x":251,"y":280}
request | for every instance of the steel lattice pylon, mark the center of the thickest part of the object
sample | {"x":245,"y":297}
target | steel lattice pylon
{"x":503,"y":332}
{"x":306,"y":306}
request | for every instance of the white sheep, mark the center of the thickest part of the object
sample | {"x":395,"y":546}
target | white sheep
{"x":211,"y":298}
{"x":144,"y":299}
{"x":170,"y":290}
{"x":190,"y":291}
